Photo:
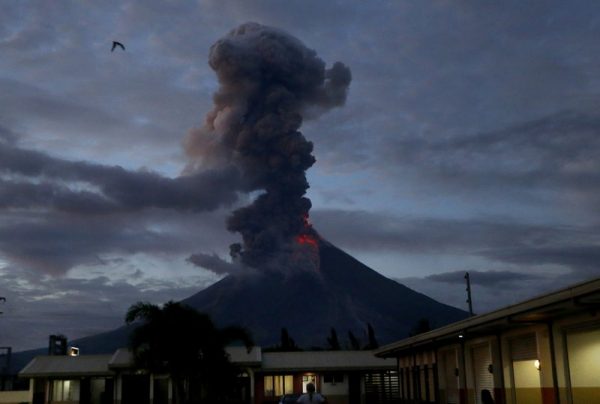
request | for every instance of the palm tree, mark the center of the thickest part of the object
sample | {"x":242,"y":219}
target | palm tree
{"x":185,"y":344}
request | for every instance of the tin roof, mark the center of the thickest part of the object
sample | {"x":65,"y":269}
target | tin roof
{"x":324,"y":360}
{"x":61,"y":366}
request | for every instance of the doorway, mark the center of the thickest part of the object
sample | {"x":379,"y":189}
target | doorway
{"x":481,"y":356}
{"x":309,"y":378}
{"x":527,"y":386}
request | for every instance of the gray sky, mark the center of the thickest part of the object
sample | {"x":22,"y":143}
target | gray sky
{"x":469,"y":141}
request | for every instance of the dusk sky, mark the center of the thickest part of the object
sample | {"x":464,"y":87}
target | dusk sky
{"x":469,"y":141}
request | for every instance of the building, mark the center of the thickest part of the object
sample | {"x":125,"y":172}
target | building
{"x":344,"y":377}
{"x":542,"y":351}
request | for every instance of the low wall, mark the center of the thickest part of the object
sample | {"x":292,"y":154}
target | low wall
{"x":14,"y":397}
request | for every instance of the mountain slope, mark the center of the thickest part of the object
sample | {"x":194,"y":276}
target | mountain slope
{"x":344,"y":294}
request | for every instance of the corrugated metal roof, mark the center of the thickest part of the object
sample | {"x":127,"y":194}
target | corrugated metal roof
{"x":324,"y":360}
{"x":539,"y":308}
{"x":61,"y":366}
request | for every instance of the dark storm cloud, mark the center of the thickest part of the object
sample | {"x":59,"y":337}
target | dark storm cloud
{"x":458,"y":67}
{"x":576,"y":249}
{"x":51,"y":242}
{"x":39,"y":105}
{"x":555,"y":154}
{"x":7,"y":135}
{"x":487,"y":297}
{"x":585,"y":256}
{"x":485,"y":278}
{"x":37,"y":180}
{"x":78,"y":307}
{"x":380,"y":231}
{"x":54,"y":243}
{"x":269,"y":82}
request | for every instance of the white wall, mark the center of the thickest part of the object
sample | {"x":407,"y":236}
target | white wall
{"x":337,"y":389}
{"x":14,"y":397}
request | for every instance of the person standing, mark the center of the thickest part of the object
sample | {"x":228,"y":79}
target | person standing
{"x":486,"y":397}
{"x":310,"y":396}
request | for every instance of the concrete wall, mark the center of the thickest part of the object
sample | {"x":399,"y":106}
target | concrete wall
{"x":14,"y":397}
{"x":336,"y":393}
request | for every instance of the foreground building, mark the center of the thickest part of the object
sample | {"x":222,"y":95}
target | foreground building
{"x":542,"y":351}
{"x":344,"y":377}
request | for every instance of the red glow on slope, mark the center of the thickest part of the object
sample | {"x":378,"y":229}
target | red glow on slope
{"x":307,"y":239}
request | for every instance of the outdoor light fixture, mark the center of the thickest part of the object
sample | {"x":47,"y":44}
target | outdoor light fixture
{"x":73,"y":351}
{"x":537,"y":364}
{"x":461,"y":335}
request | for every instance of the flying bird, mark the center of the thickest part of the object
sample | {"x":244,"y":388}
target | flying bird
{"x":115,"y":44}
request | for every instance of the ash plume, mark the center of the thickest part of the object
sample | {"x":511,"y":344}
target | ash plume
{"x":269,"y":81}
{"x":215,"y":264}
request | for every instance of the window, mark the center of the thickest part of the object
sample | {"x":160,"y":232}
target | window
{"x":65,"y":390}
{"x":276,"y":386}
{"x":333,"y":378}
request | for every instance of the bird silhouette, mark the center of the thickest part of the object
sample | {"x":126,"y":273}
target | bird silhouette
{"x":115,"y":44}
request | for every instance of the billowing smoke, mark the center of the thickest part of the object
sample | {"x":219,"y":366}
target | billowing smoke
{"x":216,"y":264}
{"x":269,"y":81}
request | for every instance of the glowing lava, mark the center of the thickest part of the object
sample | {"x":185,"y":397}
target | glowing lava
{"x":307,"y":239}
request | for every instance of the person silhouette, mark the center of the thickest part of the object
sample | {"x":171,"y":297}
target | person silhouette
{"x":486,"y":397}
{"x":310,"y":396}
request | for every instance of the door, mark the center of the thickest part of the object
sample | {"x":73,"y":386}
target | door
{"x":309,"y":378}
{"x":525,"y":375}
{"x":449,"y":375}
{"x":354,"y":388}
{"x":481,"y":357}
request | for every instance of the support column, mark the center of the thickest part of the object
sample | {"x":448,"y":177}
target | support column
{"x":553,"y":363}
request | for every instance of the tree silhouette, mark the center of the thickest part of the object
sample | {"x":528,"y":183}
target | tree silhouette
{"x":287,"y":342}
{"x":354,"y":343}
{"x":372,"y":344}
{"x":420,"y":327}
{"x":185,"y":344}
{"x":332,"y":341}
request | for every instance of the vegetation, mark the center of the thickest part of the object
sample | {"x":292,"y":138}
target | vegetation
{"x":372,"y":344}
{"x":286,"y":344}
{"x":185,"y":344}
{"x":332,"y":341}
{"x":354,"y":342}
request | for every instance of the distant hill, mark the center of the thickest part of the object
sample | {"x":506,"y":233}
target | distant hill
{"x":344,"y":294}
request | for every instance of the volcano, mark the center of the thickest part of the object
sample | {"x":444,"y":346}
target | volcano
{"x":344,"y":294}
